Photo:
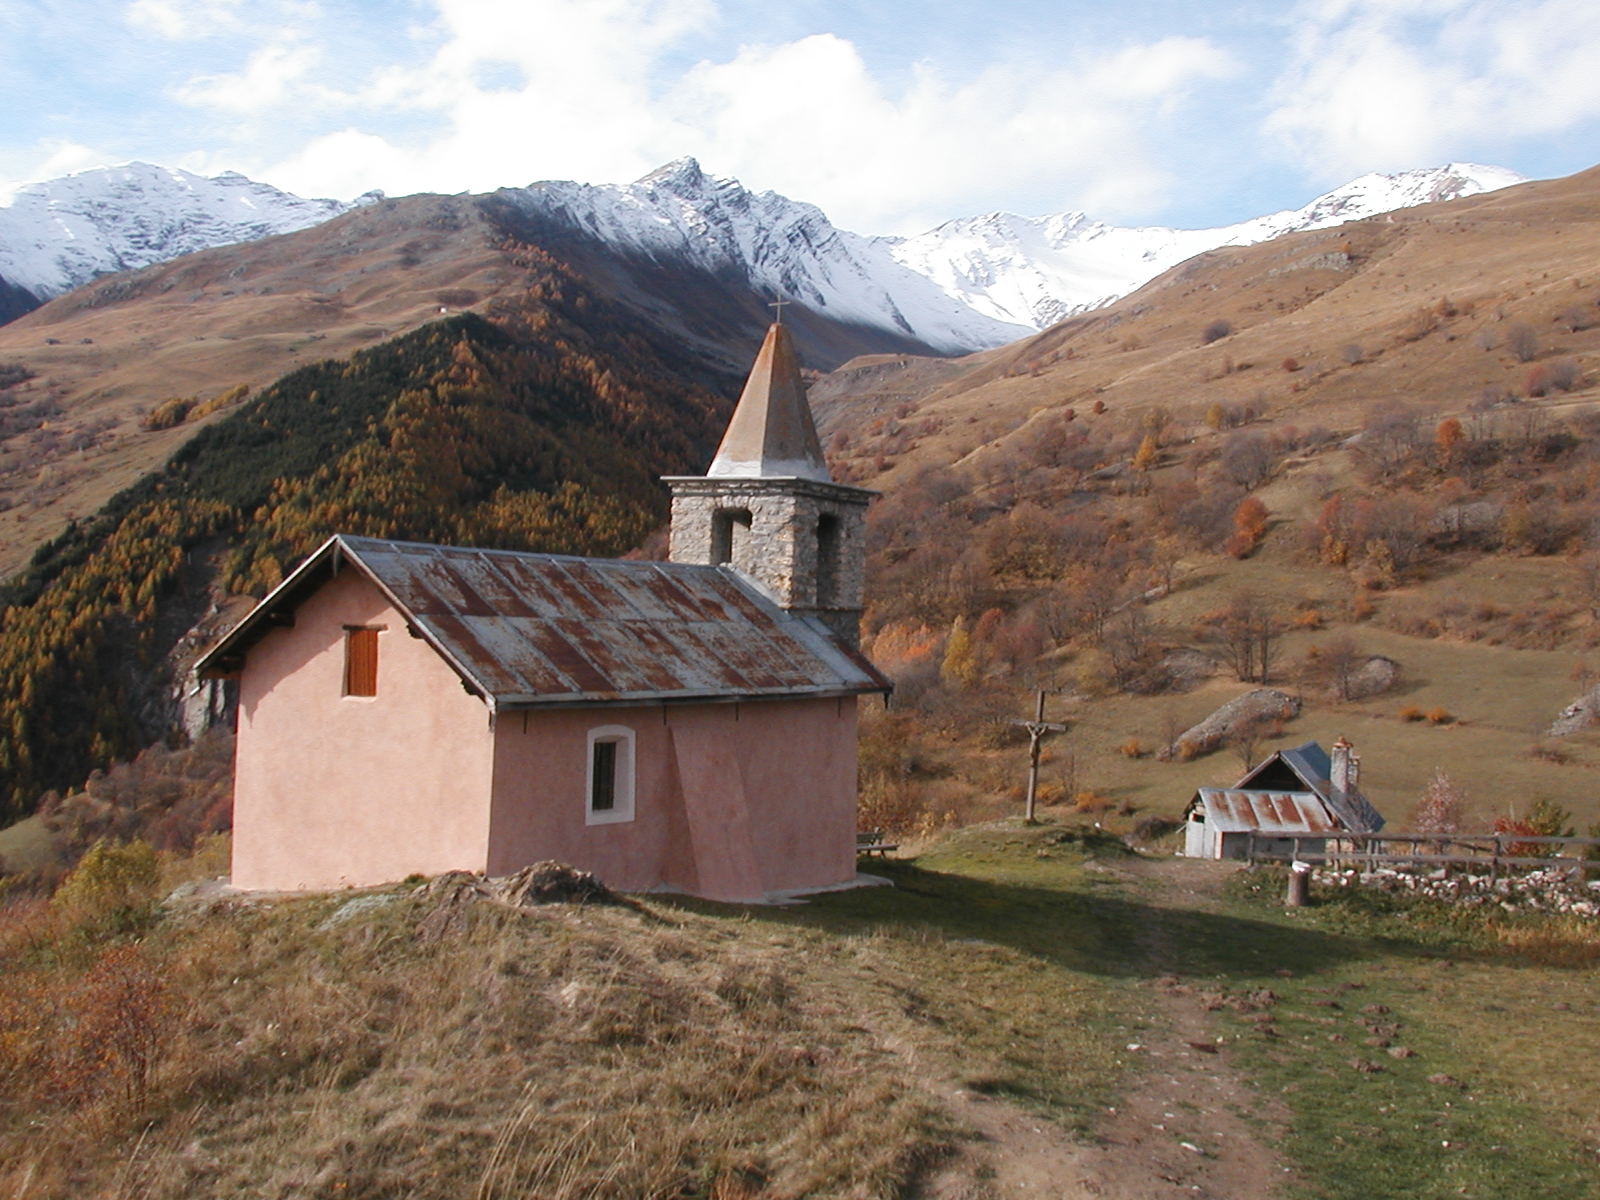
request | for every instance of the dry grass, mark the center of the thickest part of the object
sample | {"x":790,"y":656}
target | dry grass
{"x":559,"y":1052}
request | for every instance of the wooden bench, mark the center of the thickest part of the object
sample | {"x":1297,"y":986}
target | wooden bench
{"x":870,"y":841}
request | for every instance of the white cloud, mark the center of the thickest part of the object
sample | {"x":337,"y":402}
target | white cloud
{"x":183,"y":19}
{"x":1378,"y":84}
{"x":267,"y":80}
{"x":809,"y":119}
{"x":60,"y":157}
{"x":588,"y":100}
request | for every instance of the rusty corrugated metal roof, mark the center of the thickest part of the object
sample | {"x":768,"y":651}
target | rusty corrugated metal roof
{"x":1310,"y":763}
{"x":535,"y":629}
{"x":1236,"y":810}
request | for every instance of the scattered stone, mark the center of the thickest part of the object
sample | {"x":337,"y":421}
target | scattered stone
{"x":1379,"y":1042}
{"x":451,"y":894}
{"x":1365,"y":1065}
{"x":1376,"y":1010}
{"x":553,"y":883}
{"x":1187,"y":668}
{"x":354,"y":908}
{"x":1444,"y":1080}
{"x":1553,"y":889}
{"x":1337,"y":1037}
{"x":454,"y":892}
{"x":1402,"y":1052}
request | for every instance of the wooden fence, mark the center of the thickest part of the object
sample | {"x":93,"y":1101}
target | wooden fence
{"x":1491,"y":852}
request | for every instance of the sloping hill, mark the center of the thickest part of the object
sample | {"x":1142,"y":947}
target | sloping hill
{"x":545,"y":429}
{"x":87,"y":369}
{"x":1419,"y":305}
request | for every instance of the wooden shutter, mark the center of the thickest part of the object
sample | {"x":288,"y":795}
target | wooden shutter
{"x":603,"y":780}
{"x":361,"y":662}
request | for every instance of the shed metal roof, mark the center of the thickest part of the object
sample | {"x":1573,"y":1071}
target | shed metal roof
{"x":1236,"y":810}
{"x":543,"y":629}
{"x":1310,"y":762}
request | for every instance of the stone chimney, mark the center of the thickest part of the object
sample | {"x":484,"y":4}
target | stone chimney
{"x":768,"y":505}
{"x":1344,"y":772}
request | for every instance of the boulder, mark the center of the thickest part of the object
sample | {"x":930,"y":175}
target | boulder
{"x":552,"y":883}
{"x":1582,"y":713}
{"x":450,"y":895}
{"x":1374,"y":677}
{"x":1263,"y":704}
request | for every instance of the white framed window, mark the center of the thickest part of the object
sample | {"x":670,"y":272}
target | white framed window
{"x":608,"y":791}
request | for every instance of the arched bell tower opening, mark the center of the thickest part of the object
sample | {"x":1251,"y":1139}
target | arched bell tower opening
{"x":768,"y":505}
{"x":829,"y":539}
{"x":730,"y":537}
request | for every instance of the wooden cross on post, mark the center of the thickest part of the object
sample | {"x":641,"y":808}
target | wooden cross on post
{"x":1038,"y":729}
{"x":777,"y":307}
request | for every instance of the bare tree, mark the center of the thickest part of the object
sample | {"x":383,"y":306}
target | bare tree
{"x":1440,"y":808}
{"x":1334,"y":664}
{"x":1250,"y":630}
{"x":1587,"y":572}
{"x":1523,"y":342}
{"x":1246,"y":459}
{"x":1389,"y":438}
{"x":1172,"y":728}
{"x":1245,"y":736}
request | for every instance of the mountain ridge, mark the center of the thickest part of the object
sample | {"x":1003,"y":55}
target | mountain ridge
{"x":59,"y":234}
{"x":973,"y":283}
{"x":1041,"y":270}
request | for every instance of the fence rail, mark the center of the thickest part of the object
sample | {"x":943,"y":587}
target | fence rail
{"x":1488,"y":850}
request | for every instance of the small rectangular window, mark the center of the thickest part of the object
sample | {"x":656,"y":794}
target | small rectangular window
{"x":360,"y":662}
{"x":603,"y":779}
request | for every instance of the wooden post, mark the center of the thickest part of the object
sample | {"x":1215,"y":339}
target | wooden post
{"x":1038,"y":729}
{"x":1299,"y":884}
{"x":1033,"y":759}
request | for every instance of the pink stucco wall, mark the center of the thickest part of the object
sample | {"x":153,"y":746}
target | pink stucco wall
{"x":732,"y":801}
{"x":333,"y":790}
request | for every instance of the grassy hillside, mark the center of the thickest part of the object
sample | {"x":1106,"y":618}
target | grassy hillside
{"x":1027,"y":1013}
{"x":1379,"y":439}
{"x":545,"y":429}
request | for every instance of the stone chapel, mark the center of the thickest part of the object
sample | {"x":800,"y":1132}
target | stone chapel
{"x":687,"y":725}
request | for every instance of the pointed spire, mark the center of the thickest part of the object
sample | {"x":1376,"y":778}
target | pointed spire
{"x":772,"y":435}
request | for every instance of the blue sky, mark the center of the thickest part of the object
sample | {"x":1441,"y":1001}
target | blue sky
{"x":891,"y":116}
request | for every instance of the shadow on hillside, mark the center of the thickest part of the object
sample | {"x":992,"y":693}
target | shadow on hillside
{"x":1107,"y":934}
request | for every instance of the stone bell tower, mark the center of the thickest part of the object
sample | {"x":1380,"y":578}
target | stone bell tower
{"x":768,"y":505}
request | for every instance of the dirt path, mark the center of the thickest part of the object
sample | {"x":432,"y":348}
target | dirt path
{"x":1192,"y":1125}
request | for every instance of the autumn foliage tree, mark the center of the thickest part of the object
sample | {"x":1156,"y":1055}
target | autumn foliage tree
{"x":1447,"y":437}
{"x":530,"y":432}
{"x":1249,"y":527}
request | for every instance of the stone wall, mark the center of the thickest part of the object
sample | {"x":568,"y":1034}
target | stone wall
{"x":775,"y":538}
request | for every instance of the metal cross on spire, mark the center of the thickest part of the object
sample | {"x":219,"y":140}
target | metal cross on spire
{"x":777,"y":306}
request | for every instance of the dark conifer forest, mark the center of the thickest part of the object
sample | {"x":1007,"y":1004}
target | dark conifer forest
{"x":541,"y":427}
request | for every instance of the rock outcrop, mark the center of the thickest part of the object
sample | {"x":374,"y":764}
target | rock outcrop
{"x":1582,"y":713}
{"x":1264,"y":705}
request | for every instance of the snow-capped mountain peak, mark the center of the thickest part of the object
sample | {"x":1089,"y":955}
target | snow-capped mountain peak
{"x":782,"y":247}
{"x":1040,"y":270}
{"x":60,"y":234}
{"x":969,"y":284}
